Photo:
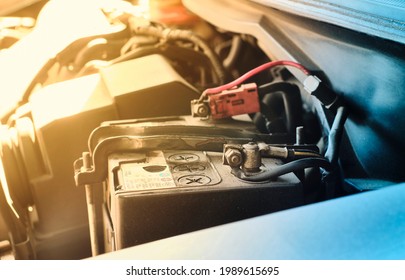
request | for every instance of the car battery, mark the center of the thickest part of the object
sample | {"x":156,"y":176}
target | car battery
{"x":165,"y":178}
{"x":165,"y":193}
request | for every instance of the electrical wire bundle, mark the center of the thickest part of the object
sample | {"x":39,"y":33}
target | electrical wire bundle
{"x":314,"y":86}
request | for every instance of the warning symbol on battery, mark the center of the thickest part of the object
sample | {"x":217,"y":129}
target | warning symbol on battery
{"x":184,"y":157}
{"x":194,"y":180}
{"x":190,"y":168}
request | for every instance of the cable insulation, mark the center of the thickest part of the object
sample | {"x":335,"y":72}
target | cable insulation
{"x":289,"y":167}
{"x":253,"y":72}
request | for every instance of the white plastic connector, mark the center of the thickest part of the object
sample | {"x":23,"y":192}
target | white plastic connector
{"x":314,"y":86}
{"x":311,"y":83}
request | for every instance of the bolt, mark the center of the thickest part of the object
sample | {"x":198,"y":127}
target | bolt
{"x":233,"y":157}
{"x":202,"y":110}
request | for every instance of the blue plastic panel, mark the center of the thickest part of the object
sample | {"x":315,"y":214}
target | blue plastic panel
{"x":382,"y":18}
{"x":365,"y":226}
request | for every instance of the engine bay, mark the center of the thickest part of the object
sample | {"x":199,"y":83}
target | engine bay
{"x":123,"y":125}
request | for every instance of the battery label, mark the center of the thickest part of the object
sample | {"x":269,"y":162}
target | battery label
{"x":152,"y":174}
{"x":167,"y":169}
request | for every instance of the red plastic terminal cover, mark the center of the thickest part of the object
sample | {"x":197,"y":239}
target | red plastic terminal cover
{"x":235,"y":101}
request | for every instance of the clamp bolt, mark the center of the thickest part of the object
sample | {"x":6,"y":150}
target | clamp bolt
{"x":233,"y":157}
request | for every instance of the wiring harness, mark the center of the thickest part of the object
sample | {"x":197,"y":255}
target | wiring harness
{"x":245,"y":161}
{"x":233,"y":99}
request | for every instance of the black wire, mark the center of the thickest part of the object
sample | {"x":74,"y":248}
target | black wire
{"x":302,"y":153}
{"x":236,"y":48}
{"x":289,"y":167}
{"x":136,"y":53}
{"x":178,"y":34}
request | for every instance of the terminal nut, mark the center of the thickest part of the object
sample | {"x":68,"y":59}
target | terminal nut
{"x":233,"y":157}
{"x":199,"y":109}
{"x":202,"y":110}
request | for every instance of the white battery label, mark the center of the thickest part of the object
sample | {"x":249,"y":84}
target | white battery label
{"x":141,"y":176}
